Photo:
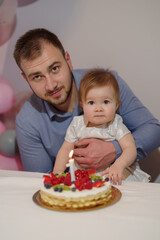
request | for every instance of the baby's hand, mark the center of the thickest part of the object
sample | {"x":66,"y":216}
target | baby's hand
{"x":114,"y":173}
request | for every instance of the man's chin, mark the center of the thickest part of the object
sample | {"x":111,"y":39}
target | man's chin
{"x":56,"y":102}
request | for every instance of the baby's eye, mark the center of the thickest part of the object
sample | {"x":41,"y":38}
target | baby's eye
{"x":55,"y":69}
{"x":106,"y":101}
{"x":90,"y":102}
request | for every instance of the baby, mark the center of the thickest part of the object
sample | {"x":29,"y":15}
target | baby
{"x":99,"y":97}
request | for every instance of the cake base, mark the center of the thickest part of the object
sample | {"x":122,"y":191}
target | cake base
{"x":115,"y":197}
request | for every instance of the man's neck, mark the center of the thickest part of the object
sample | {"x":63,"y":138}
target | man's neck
{"x":73,"y":98}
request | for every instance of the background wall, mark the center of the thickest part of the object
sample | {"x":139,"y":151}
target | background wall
{"x":123,"y":35}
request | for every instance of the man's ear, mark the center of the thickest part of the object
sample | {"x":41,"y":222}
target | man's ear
{"x":68,"y":59}
{"x":24,"y":76}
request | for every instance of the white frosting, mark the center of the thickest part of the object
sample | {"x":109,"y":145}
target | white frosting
{"x":77,"y":193}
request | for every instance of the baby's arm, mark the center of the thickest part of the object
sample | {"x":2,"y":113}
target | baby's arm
{"x":62,"y":157}
{"x":127,"y":157}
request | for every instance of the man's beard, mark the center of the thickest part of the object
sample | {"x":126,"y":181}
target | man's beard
{"x":68,"y":93}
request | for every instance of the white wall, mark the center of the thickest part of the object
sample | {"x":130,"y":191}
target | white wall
{"x":123,"y":35}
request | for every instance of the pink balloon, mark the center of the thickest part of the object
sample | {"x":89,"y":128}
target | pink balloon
{"x":7,"y":19}
{"x":10,"y":163}
{"x":25,"y":3}
{"x":4,"y":80}
{"x":6,"y":97}
{"x":2,"y":128}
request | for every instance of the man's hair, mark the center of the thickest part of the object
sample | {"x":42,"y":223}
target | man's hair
{"x":29,"y":46}
{"x":98,"y":78}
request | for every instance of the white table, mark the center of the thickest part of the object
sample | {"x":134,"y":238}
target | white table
{"x":136,"y":216}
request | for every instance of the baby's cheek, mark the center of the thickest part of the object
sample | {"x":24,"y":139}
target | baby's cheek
{"x":87,"y":113}
{"x":111,"y":112}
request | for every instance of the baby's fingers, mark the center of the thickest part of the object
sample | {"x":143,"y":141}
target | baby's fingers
{"x":105,"y":172}
{"x":114,"y":178}
{"x":119,"y":180}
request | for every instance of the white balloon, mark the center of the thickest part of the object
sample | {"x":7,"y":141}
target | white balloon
{"x":8,"y":144}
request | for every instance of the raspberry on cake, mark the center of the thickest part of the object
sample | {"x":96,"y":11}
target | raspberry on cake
{"x":88,"y":190}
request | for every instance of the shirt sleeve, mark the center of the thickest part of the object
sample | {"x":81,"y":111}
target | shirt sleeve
{"x":138,"y":119}
{"x":33,"y":154}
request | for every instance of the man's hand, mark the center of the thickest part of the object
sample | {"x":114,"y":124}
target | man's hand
{"x":93,"y":153}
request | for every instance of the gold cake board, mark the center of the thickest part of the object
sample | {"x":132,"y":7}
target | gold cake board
{"x":116,"y":196}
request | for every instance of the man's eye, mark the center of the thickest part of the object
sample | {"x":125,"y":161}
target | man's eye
{"x":55,"y":69}
{"x":37,"y":78}
{"x":106,"y":101}
{"x":90,"y":102}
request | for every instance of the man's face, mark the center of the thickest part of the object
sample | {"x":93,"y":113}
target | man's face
{"x":49,"y":75}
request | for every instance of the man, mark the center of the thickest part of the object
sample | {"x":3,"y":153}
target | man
{"x":42,"y":122}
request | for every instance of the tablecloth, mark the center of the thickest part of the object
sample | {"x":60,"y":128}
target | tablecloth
{"x":136,"y":216}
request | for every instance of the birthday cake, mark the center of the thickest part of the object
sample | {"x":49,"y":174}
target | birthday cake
{"x":87,"y":191}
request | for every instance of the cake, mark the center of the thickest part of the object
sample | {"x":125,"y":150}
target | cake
{"x":87,"y":192}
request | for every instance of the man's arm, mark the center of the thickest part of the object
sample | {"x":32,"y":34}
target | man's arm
{"x":34,"y":156}
{"x":139,"y":120}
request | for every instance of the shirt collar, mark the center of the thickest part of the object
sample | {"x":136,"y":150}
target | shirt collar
{"x":52,"y":111}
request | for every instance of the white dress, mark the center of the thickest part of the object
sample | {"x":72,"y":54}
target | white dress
{"x":77,"y":130}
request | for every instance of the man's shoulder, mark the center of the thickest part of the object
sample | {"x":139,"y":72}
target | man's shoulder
{"x":31,"y":109}
{"x":78,"y":74}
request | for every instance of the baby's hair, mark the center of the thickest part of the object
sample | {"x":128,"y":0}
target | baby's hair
{"x":98,"y":78}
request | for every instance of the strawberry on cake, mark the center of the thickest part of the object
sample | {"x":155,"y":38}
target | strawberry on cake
{"x":88,"y":191}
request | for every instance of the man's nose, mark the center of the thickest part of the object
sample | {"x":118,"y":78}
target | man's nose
{"x":50,"y":83}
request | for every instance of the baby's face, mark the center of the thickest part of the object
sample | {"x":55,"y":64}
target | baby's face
{"x":100,"y":105}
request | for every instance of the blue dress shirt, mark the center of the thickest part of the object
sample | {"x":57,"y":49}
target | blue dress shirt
{"x":40,"y":128}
